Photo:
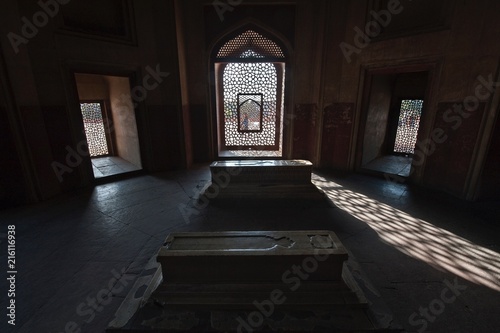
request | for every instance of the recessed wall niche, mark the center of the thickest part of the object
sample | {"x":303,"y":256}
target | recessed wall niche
{"x":110,"y":20}
{"x":413,"y":17}
{"x":109,"y":123}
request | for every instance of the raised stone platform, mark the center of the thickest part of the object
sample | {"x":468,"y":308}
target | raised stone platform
{"x":249,"y":257}
{"x":274,"y":281}
{"x":264,"y":179}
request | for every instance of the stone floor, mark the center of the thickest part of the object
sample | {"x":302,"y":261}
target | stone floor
{"x":391,"y":164}
{"x":111,"y":166}
{"x":433,"y":260}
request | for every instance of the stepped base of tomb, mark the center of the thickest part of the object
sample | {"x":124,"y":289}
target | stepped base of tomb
{"x":272,"y":281}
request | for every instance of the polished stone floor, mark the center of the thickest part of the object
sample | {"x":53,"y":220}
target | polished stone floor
{"x":432,"y":260}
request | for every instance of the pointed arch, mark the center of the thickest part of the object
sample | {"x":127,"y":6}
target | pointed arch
{"x":263,"y":34}
{"x":249,"y":60}
{"x":250,"y":44}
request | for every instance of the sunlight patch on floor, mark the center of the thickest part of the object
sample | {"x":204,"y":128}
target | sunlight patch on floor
{"x":418,"y":238}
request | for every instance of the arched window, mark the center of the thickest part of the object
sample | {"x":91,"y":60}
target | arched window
{"x":250,"y":72}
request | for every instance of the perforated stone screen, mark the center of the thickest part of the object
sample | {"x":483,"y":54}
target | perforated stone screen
{"x":93,"y":123}
{"x":251,"y":85}
{"x":408,"y":124}
{"x":250,"y":44}
{"x":252,"y":79}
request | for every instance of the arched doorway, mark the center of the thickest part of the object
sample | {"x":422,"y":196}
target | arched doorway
{"x":249,"y":89}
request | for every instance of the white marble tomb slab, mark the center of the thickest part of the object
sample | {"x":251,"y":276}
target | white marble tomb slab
{"x":262,"y":171}
{"x":250,"y":256}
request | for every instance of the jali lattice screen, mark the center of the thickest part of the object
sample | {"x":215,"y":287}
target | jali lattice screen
{"x":93,"y":123}
{"x":251,"y":79}
{"x":409,"y":120}
{"x":250,"y":44}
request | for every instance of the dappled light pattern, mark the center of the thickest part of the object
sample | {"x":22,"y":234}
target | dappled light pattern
{"x":417,"y":238}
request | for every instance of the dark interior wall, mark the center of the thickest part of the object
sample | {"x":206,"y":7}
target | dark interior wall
{"x":176,"y":127}
{"x":128,"y":38}
{"x":124,"y":124}
{"x":490,"y":179}
{"x":451,"y":41}
{"x":29,"y":130}
{"x":195,"y":75}
{"x":12,"y":187}
{"x":424,"y":15}
{"x":377,"y":117}
{"x":337,"y":129}
{"x":448,"y":163}
{"x":92,"y":87}
{"x":410,"y":85}
{"x":306,"y":74}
